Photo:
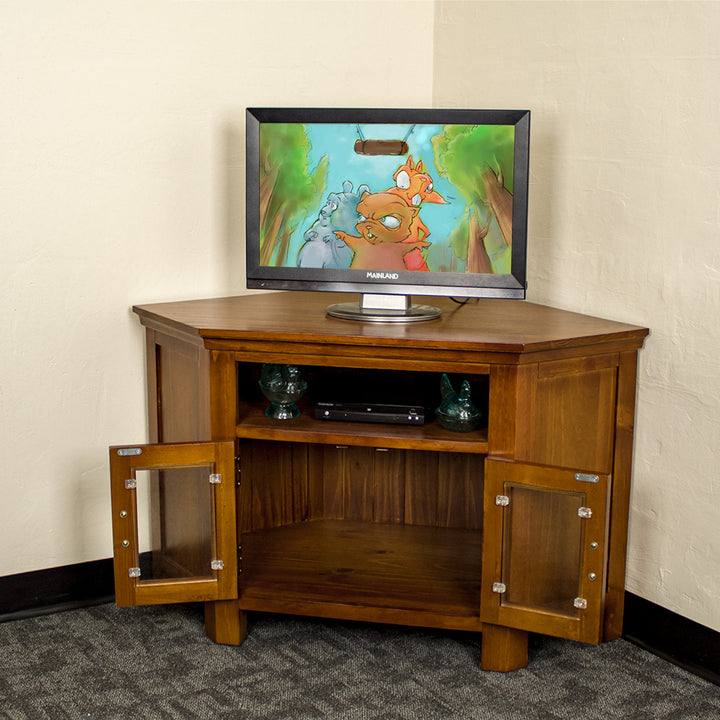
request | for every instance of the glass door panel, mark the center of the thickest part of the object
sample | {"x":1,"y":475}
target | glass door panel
{"x":542,"y":549}
{"x":176,"y":523}
{"x":174,"y":528}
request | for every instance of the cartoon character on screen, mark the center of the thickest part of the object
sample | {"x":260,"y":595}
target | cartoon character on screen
{"x":415,"y":187}
{"x":384,"y":236}
{"x":322,"y":247}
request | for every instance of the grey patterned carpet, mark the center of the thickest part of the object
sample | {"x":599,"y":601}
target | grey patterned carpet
{"x":156,"y":664}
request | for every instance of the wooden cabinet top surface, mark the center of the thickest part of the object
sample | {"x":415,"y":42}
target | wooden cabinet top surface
{"x":487,"y":326}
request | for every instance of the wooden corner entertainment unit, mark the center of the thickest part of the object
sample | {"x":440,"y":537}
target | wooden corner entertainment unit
{"x":519,"y":526}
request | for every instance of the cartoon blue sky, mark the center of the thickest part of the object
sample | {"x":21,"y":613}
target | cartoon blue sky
{"x":337,"y":141}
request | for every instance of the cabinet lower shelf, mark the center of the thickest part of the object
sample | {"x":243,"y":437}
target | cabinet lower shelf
{"x":411,"y":575}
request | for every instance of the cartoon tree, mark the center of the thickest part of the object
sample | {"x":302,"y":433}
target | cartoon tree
{"x":287,"y":187}
{"x":460,"y":151}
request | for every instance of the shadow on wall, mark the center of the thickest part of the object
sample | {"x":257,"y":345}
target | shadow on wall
{"x":232,"y":196}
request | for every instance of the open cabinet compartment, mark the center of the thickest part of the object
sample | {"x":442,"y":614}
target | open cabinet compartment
{"x":361,"y":533}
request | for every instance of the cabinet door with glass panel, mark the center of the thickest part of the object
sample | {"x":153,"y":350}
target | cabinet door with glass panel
{"x":544,"y":549}
{"x":174,"y":532}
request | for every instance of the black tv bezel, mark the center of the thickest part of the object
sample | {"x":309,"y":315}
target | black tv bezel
{"x":470,"y":285}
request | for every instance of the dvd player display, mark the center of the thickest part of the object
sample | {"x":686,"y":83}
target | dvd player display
{"x":372,"y":413}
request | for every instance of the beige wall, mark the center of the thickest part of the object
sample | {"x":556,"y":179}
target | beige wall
{"x":122,"y":182}
{"x":624,"y":223}
{"x":121,"y":176}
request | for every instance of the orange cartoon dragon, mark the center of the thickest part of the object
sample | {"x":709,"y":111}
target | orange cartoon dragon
{"x":415,"y":187}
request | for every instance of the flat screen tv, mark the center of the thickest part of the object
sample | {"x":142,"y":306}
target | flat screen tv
{"x":389,"y":204}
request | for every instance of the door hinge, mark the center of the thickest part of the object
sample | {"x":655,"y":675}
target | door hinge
{"x":239,"y":559}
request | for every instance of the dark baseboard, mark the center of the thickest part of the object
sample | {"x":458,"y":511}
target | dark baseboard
{"x":662,"y":632}
{"x":62,"y":588}
{"x":675,"y":638}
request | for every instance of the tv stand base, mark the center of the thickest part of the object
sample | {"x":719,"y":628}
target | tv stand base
{"x":384,"y":308}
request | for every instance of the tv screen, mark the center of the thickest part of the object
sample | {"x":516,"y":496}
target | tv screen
{"x":388,"y":204}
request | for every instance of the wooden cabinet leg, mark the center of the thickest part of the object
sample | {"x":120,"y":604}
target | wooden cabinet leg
{"x":503,"y":649}
{"x":224,"y":623}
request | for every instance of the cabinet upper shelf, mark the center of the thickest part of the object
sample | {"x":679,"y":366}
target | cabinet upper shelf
{"x":430,"y":436}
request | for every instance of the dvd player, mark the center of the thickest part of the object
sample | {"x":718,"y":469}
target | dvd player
{"x":372,"y":413}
